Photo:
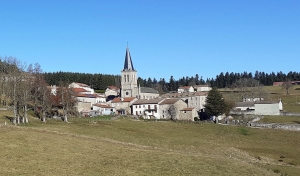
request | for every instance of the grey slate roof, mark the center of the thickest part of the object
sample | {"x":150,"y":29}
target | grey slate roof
{"x":128,"y":62}
{"x":150,"y":101}
{"x":244,"y":104}
{"x":184,"y":94}
{"x":169,"y":101}
{"x":148,"y":90}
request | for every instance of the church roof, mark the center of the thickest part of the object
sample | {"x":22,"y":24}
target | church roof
{"x":128,"y":62}
{"x":148,"y":90}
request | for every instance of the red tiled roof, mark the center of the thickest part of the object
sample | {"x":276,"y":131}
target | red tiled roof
{"x":81,"y":84}
{"x":113,"y":87}
{"x":87,"y":95}
{"x":184,"y":87}
{"x":126,"y":99}
{"x":77,"y":90}
{"x":277,"y":83}
{"x":103,"y":106}
{"x":187,"y":109}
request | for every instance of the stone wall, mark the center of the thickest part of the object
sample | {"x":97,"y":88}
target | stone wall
{"x":290,"y":127}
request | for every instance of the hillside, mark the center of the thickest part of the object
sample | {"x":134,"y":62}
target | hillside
{"x":88,"y":146}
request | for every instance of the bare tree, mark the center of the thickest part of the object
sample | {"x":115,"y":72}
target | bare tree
{"x":67,"y":99}
{"x":44,"y":100}
{"x":286,"y":86}
{"x":249,"y":88}
{"x":13,"y":78}
{"x":173,"y":112}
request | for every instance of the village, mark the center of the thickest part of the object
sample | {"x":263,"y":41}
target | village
{"x":145,"y":102}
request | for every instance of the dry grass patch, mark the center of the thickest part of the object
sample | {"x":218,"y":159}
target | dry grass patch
{"x":130,"y":147}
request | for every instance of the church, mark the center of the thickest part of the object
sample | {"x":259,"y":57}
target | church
{"x":129,"y":84}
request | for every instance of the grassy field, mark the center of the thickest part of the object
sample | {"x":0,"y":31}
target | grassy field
{"x":291,"y":102}
{"x":101,"y":146}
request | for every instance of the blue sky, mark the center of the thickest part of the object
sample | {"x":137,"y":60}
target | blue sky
{"x":165,"y":37}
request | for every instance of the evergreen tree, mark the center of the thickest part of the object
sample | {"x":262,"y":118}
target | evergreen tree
{"x":215,"y":103}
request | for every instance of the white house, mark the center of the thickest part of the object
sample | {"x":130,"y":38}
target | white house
{"x":202,"y":88}
{"x":267,"y":108}
{"x":103,"y":109}
{"x":81,"y":85}
{"x":182,"y":89}
{"x":197,"y":100}
{"x":148,"y":108}
{"x":112,"y":91}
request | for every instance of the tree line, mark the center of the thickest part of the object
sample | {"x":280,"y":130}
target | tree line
{"x":23,"y":87}
{"x":95,"y":81}
{"x":223,"y":80}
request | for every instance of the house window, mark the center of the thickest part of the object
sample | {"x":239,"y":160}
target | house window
{"x":155,"y":107}
{"x":139,"y":106}
{"x":136,"y":113}
{"x":128,"y":78}
{"x":136,"y":106}
{"x":148,"y":106}
{"x":184,"y":111}
{"x":124,"y":78}
{"x":140,"y":112}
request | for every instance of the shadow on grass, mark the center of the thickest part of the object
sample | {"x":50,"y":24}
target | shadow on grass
{"x":9,"y":118}
{"x":297,"y":122}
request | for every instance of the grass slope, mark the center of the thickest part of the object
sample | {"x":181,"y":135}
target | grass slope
{"x":128,"y":147}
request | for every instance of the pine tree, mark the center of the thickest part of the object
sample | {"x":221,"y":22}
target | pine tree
{"x":215,"y":103}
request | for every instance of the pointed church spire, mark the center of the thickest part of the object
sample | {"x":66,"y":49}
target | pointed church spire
{"x":128,"y":62}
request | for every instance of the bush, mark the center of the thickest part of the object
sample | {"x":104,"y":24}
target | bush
{"x":244,"y":131}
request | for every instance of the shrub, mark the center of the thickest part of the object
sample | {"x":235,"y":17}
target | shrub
{"x":244,"y":131}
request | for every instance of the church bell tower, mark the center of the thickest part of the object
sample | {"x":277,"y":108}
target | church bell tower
{"x":129,"y":87}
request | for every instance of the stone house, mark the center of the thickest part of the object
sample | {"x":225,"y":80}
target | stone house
{"x":90,"y":98}
{"x":123,"y":105}
{"x":148,"y":108}
{"x":188,"y":114}
{"x":83,"y":106}
{"x":193,"y":99}
{"x":165,"y":107}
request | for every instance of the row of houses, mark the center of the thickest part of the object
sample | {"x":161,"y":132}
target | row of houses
{"x":185,"y":105}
